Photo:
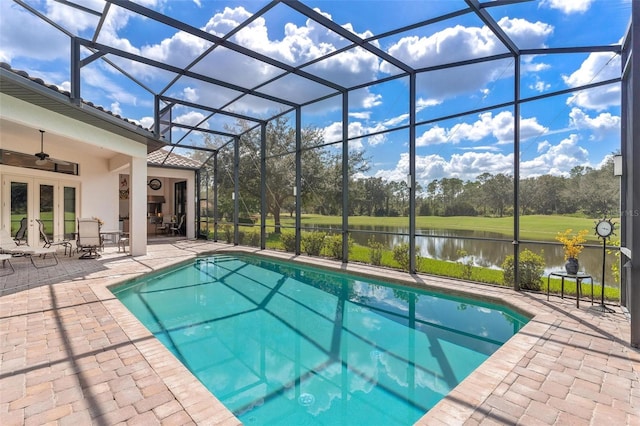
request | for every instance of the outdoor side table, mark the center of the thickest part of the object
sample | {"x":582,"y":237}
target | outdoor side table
{"x":579,"y":277}
{"x":111,"y":234}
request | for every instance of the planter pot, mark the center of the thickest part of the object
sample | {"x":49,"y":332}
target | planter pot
{"x":571,"y":266}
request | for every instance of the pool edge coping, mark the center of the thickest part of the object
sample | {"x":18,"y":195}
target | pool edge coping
{"x":455,"y":408}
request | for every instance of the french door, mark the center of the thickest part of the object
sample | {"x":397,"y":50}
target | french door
{"x":54,"y":202}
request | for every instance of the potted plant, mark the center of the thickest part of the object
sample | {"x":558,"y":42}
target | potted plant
{"x":572,"y":244}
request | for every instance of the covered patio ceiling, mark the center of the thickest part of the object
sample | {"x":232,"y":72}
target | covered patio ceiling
{"x":194,"y":104}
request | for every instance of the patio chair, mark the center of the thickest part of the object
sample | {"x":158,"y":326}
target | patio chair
{"x":89,"y":240}
{"x":6,"y":258}
{"x":9,"y":246}
{"x":48,"y":243}
{"x":21,"y":233}
{"x":42,"y":252}
{"x":177,"y":229}
{"x":163,"y":227}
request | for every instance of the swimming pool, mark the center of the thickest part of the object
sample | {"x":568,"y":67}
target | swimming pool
{"x":283,"y":343}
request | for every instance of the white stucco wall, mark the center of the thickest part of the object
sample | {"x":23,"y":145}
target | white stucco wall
{"x":92,"y":148}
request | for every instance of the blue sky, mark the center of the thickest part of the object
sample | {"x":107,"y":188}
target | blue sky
{"x":557,"y":134}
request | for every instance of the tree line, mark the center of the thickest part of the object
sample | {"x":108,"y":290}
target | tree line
{"x":590,"y":191}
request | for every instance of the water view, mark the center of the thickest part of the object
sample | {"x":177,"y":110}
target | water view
{"x":444,"y":244}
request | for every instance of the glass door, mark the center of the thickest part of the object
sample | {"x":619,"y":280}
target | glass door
{"x":54,"y":202}
{"x":180,"y":205}
{"x":19,"y":206}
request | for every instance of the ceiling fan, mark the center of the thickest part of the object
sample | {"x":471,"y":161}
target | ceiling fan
{"x":43,"y":157}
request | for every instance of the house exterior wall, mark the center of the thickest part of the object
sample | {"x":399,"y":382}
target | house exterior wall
{"x":91,"y":147}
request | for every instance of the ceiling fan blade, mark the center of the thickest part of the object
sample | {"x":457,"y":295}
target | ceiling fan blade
{"x":43,"y":158}
{"x":60,"y":162}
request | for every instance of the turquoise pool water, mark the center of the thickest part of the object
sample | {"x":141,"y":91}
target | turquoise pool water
{"x":281,"y":343}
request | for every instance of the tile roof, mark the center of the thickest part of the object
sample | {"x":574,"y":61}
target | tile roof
{"x":66,"y":93}
{"x":164,"y":158}
{"x":158,"y":158}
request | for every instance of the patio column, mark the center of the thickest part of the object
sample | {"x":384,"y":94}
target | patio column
{"x":138,"y":207}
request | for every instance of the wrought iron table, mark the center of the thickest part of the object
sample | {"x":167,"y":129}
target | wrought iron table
{"x":579,"y":277}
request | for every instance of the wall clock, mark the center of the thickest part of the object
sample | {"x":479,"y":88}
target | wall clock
{"x":155,"y":184}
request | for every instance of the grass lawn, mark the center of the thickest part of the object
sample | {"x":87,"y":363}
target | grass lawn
{"x":534,"y":227}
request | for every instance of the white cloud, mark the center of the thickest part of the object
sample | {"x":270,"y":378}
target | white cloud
{"x":557,"y":159}
{"x":422,"y":103}
{"x":333,"y":133}
{"x":525,"y":33}
{"x":376,"y":139}
{"x":192,"y":118}
{"x":481,"y":148}
{"x":459,"y":43}
{"x":601,"y":126}
{"x":529,"y":66}
{"x":568,"y":6}
{"x":24,"y":35}
{"x":73,"y":19}
{"x":471,"y":164}
{"x":552,"y":159}
{"x":179,"y":50}
{"x":372,"y":100}
{"x":543,"y":146}
{"x":95,"y":78}
{"x":394,"y":121}
{"x":299,"y":44}
{"x":598,"y":66}
{"x":466,"y":166}
{"x":115,"y":108}
{"x":539,"y":85}
{"x":65,"y":85}
{"x":499,"y":127}
{"x":361,"y":115}
{"x":191,"y":94}
{"x":146,"y":122}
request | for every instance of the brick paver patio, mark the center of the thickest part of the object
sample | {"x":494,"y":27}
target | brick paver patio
{"x":73,"y":355}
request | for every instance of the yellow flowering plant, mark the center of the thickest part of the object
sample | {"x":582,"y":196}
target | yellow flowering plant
{"x":572,"y":244}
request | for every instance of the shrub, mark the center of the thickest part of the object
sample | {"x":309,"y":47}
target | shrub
{"x":530,"y":267}
{"x":228,"y":233}
{"x":467,"y":267}
{"x":334,"y":245}
{"x":401,"y":255}
{"x":313,"y":242}
{"x":375,"y":255}
{"x":253,"y":239}
{"x":288,"y":240}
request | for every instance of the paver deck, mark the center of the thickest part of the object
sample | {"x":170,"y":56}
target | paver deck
{"x":71,"y":354}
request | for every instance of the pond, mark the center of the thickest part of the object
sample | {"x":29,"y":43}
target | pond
{"x":445,"y":244}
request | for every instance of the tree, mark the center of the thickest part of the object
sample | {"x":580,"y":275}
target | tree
{"x":321,"y":174}
{"x":599,"y":193}
{"x":548,"y":194}
{"x":498,"y":191}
